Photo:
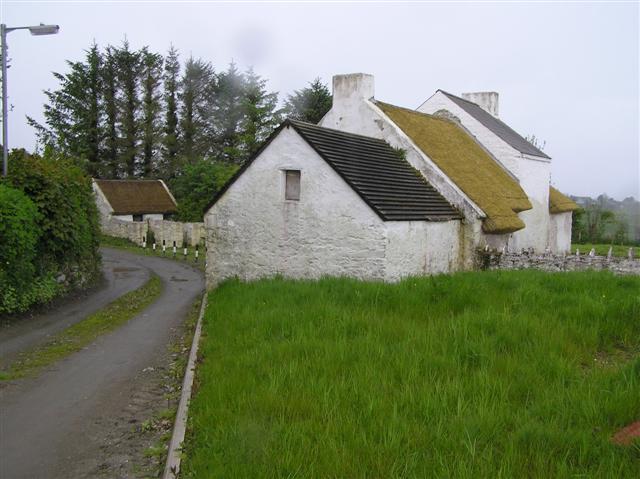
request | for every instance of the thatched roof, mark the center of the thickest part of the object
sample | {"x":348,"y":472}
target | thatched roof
{"x":559,"y":203}
{"x":136,"y":197}
{"x":468,"y":165}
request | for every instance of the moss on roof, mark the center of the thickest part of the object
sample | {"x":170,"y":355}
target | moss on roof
{"x":131,"y":197}
{"x":559,"y":203}
{"x":468,"y":165}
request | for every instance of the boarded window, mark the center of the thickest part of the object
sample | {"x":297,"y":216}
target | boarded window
{"x":292,"y":185}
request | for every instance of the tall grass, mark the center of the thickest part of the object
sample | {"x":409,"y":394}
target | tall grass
{"x":493,"y":374}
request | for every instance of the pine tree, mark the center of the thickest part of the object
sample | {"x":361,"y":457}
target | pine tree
{"x":111,"y":159}
{"x":227,"y":114}
{"x":261,"y":116}
{"x":151,"y":110}
{"x":73,"y":112}
{"x":309,"y":104}
{"x":170,"y":142}
{"x":128,"y":65}
{"x":197,"y":94}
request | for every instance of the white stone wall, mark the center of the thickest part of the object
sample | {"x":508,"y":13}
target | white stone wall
{"x":417,"y":248}
{"x":354,"y":112}
{"x":253,"y":232}
{"x":533,"y":173}
{"x":560,"y":232}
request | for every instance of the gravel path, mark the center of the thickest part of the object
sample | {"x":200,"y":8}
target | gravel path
{"x":59,"y":424}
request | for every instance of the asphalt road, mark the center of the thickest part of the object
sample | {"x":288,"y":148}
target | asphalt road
{"x":54,"y":425}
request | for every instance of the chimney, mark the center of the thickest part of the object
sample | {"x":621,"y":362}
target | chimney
{"x":352,"y":87}
{"x":487,"y":100}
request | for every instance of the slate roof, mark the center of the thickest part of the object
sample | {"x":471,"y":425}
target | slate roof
{"x":467,"y":164}
{"x":497,"y":126}
{"x":559,"y":203}
{"x":374,"y":170}
{"x":135,"y":197}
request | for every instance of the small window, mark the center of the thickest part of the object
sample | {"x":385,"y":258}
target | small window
{"x":137,"y":217}
{"x":292,"y":185}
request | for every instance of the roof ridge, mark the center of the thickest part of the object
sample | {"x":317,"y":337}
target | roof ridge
{"x":341,"y":132}
{"x":428,"y":115}
{"x":460,"y":98}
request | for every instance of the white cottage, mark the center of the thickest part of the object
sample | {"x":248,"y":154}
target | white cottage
{"x":378,"y":191}
{"x":548,"y":222}
{"x":133,"y":200}
{"x":316,"y":201}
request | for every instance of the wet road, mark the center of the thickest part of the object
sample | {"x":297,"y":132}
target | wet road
{"x":50,"y":423}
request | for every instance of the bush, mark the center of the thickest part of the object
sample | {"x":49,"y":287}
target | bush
{"x":197,"y":185}
{"x":48,"y":229}
{"x":19,"y":234}
{"x":68,"y":216}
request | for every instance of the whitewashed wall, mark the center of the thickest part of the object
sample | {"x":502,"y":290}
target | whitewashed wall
{"x":560,"y":232}
{"x":533,"y":173}
{"x":253,"y":232}
{"x":418,"y":248}
{"x":353,"y":111}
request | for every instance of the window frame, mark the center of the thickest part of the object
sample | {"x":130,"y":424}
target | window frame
{"x":286,"y":172}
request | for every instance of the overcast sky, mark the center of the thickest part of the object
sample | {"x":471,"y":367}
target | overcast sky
{"x":568,"y":73}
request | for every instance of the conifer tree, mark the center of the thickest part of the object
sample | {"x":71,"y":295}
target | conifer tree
{"x":128,"y":65}
{"x":111,"y":159}
{"x":170,"y":141}
{"x":197,"y":94}
{"x":227,"y":114}
{"x":151,"y":110}
{"x":261,"y":115}
{"x":309,"y":104}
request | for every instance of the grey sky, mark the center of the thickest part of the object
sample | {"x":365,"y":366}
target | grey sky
{"x":568,"y":73}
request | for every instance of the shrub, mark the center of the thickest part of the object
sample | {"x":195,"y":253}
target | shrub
{"x":197,"y":185}
{"x":68,"y":215}
{"x":19,"y":234}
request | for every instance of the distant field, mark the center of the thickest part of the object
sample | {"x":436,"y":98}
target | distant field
{"x":603,"y":249}
{"x":475,"y":375}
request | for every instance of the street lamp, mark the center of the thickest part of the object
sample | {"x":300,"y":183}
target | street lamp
{"x":41,"y":29}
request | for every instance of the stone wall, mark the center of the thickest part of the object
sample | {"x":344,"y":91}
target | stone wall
{"x":169,"y":231}
{"x":550,"y":262}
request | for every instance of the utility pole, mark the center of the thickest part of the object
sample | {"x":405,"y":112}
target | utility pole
{"x":35,"y":30}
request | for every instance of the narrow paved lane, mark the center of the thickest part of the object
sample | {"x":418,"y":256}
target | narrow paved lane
{"x":120,"y":277}
{"x":54,"y":424}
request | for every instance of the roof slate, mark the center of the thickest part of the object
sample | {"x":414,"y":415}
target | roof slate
{"x":133,"y":197}
{"x":383,"y":179}
{"x":497,"y":126}
{"x":467,"y":164}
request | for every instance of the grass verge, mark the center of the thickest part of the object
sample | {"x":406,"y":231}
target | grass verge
{"x":492,"y":374}
{"x":125,"y":244}
{"x":603,"y":249}
{"x":80,"y":334}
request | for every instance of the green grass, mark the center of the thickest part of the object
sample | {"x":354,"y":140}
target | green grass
{"x":603,"y":249}
{"x":125,"y":244}
{"x":81,"y":334}
{"x":491,"y":374}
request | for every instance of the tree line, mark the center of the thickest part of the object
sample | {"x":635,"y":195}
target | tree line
{"x":126,"y":113}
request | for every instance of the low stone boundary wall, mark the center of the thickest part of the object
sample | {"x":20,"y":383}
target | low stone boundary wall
{"x":190,"y":233}
{"x":550,"y":262}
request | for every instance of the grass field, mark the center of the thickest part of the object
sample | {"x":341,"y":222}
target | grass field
{"x":475,"y":375}
{"x":603,"y":249}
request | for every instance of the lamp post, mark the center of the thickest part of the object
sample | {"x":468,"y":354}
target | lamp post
{"x":35,"y":30}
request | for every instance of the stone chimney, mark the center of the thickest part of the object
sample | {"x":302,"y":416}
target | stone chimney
{"x":487,"y":100}
{"x":352,"y":87}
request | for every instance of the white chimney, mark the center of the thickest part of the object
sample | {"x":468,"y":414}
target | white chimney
{"x":487,"y":100}
{"x":352,"y":86}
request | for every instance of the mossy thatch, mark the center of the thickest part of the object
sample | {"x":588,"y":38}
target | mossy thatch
{"x":559,"y":203}
{"x":468,"y":165}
